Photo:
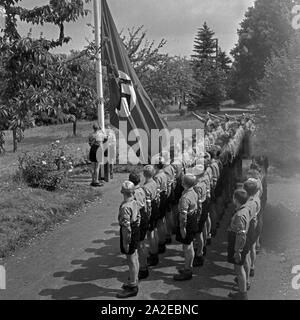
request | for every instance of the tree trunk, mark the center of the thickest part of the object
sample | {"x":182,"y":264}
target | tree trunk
{"x":15,"y":142}
{"x":75,"y":128}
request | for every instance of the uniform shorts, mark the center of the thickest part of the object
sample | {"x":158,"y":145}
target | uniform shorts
{"x":170,"y":201}
{"x":135,"y":238}
{"x":191,"y":230}
{"x":154,"y":217}
{"x":204,"y":215}
{"x":259,"y":225}
{"x":178,"y":190}
{"x":163,"y":205}
{"x":231,"y":251}
{"x":93,"y":154}
{"x":218,"y":189}
{"x":144,"y":224}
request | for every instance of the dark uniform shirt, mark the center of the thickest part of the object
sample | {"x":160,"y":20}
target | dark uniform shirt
{"x":225,"y":155}
{"x":216,"y":172}
{"x":171,"y":175}
{"x":253,"y":204}
{"x":188,"y":205}
{"x":201,"y":189}
{"x":207,"y":178}
{"x":129,"y":214}
{"x":162,"y":181}
{"x":151,"y":191}
{"x":210,"y":175}
{"x":140,"y":197}
{"x":240,"y":221}
{"x":240,"y":224}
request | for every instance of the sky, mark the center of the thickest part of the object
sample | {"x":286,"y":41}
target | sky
{"x":176,"y":21}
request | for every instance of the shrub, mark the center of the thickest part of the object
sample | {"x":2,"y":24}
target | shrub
{"x":2,"y":141}
{"x":78,"y":153}
{"x":182,"y":112}
{"x":47,"y":168}
{"x":279,"y":97}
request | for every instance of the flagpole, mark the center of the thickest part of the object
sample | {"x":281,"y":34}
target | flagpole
{"x":97,"y":10}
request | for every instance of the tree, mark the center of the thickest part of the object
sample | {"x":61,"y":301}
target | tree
{"x":209,"y":71}
{"x":204,"y":44}
{"x":265,"y":28}
{"x":209,"y":87}
{"x":224,"y":62}
{"x":159,"y":73}
{"x":3,"y":117}
{"x":29,"y":70}
{"x":279,"y":95}
{"x":170,"y":79}
{"x":75,"y":94}
{"x":143,"y":54}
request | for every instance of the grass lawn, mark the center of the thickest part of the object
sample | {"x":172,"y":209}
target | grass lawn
{"x":41,"y":136}
{"x":26,"y":212}
{"x":37,"y":137}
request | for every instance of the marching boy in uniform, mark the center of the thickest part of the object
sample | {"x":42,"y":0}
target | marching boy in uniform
{"x":237,"y":242}
{"x":188,"y":211}
{"x":129,"y":220}
{"x":152,"y":208}
{"x":178,"y":166}
{"x":254,"y":202}
{"x":140,"y":198}
{"x":208,"y":179}
{"x":171,"y":175}
{"x":161,"y":180}
{"x":201,"y":235}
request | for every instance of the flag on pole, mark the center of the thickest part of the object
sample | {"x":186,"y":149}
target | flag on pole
{"x":128,"y":100}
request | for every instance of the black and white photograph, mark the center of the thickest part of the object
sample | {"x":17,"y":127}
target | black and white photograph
{"x":149,"y":151}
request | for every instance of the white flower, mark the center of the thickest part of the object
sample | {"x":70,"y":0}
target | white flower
{"x":44,"y":163}
{"x":70,"y":163}
{"x":71,"y":170}
{"x":63,"y":158}
{"x":57,"y":141}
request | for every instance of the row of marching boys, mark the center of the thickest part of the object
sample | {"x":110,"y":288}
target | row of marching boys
{"x":170,"y":201}
{"x":249,"y":199}
{"x":177,"y":198}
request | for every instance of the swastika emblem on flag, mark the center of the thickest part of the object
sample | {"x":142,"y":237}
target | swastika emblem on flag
{"x":128,"y":96}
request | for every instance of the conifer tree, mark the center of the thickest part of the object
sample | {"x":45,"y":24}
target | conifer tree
{"x":204,"y":44}
{"x":209,"y":78}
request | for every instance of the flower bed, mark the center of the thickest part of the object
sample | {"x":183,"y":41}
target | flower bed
{"x":48,"y":167}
